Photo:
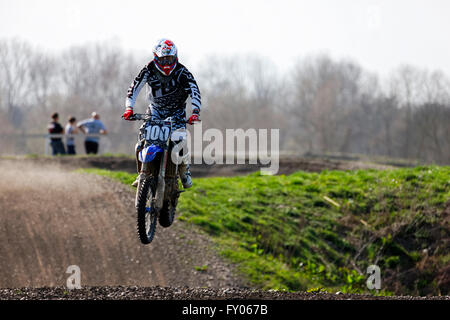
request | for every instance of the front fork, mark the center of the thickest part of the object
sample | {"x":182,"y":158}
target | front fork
{"x":158,"y":197}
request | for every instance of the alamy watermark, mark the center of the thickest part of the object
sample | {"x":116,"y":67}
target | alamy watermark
{"x":237,"y":147}
{"x":374,"y":280}
{"x":374,"y":17}
{"x":74,"y":280}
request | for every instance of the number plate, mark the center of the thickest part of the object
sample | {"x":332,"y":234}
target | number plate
{"x":157,"y":133}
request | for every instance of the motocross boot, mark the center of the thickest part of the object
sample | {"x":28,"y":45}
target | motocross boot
{"x":185,"y":175}
{"x":136,"y":182}
{"x":139,"y":166}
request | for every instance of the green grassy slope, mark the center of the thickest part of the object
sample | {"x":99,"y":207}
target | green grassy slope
{"x":309,"y":230}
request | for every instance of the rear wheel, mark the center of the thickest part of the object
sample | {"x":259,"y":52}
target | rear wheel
{"x":167,"y":214}
{"x":146,"y":214}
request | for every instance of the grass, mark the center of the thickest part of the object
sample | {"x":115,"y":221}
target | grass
{"x":203,"y":268}
{"x":322,"y":230}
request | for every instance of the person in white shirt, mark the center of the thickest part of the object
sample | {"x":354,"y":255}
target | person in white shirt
{"x":71,"y":129}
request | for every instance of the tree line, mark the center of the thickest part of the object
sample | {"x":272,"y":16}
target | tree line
{"x":320,"y":104}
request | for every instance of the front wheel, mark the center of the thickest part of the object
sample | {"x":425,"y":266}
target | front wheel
{"x":146,"y":213}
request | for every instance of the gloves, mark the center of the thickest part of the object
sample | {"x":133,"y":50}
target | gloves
{"x":194,"y":117}
{"x":128,"y":113}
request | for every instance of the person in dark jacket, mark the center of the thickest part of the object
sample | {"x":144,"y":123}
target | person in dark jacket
{"x":55,"y":128}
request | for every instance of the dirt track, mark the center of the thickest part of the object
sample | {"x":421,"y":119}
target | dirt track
{"x":288,"y":165}
{"x":52,"y":218}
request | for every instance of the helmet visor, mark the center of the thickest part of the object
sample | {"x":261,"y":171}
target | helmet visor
{"x":166,"y":60}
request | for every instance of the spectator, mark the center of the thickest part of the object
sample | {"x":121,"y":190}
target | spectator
{"x":92,"y":126}
{"x":71,"y":129}
{"x":55,"y":128}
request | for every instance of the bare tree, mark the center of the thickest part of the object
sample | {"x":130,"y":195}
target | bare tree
{"x":14,"y":78}
{"x":43,"y":73}
{"x":323,"y":105}
{"x":405,"y":85}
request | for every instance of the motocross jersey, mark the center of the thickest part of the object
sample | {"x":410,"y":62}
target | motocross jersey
{"x":167,"y":94}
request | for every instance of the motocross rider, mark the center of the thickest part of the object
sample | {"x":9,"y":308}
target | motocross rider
{"x":170,"y":85}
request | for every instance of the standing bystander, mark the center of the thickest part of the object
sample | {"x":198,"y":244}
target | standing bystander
{"x":55,"y":128}
{"x":92,"y":126}
{"x":70,"y":130}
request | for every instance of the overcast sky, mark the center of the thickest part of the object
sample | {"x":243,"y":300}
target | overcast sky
{"x":380,"y":35}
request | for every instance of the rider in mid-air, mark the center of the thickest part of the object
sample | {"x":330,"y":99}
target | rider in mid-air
{"x":170,"y":85}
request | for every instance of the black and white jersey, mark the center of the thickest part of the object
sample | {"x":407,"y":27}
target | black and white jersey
{"x":167,"y":93}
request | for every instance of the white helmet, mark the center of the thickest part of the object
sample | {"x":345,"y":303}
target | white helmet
{"x":165,"y":56}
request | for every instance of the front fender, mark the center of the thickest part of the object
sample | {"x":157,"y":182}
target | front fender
{"x":149,"y":153}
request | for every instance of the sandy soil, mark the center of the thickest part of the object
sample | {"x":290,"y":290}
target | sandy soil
{"x":52,"y":218}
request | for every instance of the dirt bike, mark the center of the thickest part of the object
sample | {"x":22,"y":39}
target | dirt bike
{"x":158,"y":188}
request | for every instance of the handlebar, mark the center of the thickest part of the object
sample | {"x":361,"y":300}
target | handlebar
{"x":146,"y":117}
{"x":140,"y":116}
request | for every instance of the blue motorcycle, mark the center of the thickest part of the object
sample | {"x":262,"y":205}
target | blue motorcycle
{"x":158,"y":188}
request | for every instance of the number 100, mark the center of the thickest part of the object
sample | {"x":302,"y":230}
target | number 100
{"x":157,"y":133}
